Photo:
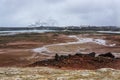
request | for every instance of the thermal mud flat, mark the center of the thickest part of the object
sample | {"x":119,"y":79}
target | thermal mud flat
{"x":20,"y":49}
{"x":28,"y":48}
{"x":100,"y":43}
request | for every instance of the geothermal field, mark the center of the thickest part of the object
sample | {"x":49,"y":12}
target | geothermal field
{"x":60,"y":56}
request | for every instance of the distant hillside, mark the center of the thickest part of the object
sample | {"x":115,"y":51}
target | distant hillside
{"x":73,"y":28}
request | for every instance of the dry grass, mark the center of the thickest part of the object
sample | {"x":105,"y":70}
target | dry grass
{"x":42,"y":73}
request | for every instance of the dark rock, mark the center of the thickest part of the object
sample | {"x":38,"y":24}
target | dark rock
{"x":79,"y":54}
{"x":109,"y":54}
{"x":92,"y":54}
{"x":81,"y":61}
{"x":57,"y":57}
{"x":63,"y":57}
{"x":70,"y":55}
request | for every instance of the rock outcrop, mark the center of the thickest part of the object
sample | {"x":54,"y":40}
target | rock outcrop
{"x":81,"y":61}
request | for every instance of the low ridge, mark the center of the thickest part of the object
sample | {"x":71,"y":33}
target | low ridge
{"x":81,"y":61}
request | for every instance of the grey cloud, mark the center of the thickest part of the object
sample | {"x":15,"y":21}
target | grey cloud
{"x":65,"y":12}
{"x":95,"y":12}
{"x":54,"y":1}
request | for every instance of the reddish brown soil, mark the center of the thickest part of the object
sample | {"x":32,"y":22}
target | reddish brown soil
{"x":80,"y":61}
{"x":16,"y":50}
{"x":19,"y":58}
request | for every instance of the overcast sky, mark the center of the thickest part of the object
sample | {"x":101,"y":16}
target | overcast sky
{"x":63,"y":12}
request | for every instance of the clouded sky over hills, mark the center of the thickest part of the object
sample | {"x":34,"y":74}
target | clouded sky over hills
{"x":63,"y":12}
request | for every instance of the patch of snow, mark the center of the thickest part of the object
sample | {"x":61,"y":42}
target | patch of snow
{"x":105,"y":69}
{"x":97,"y":41}
{"x":100,"y":41}
{"x":80,"y":41}
{"x":111,"y":32}
{"x":74,"y":36}
{"x":86,"y":40}
{"x":40,"y":50}
{"x":85,"y":73}
{"x":4,"y":33}
{"x":111,"y":45}
{"x":117,"y":55}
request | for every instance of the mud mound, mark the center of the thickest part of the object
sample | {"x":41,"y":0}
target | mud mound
{"x":80,"y":61}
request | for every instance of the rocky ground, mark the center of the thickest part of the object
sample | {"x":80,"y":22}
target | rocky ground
{"x":81,"y":61}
